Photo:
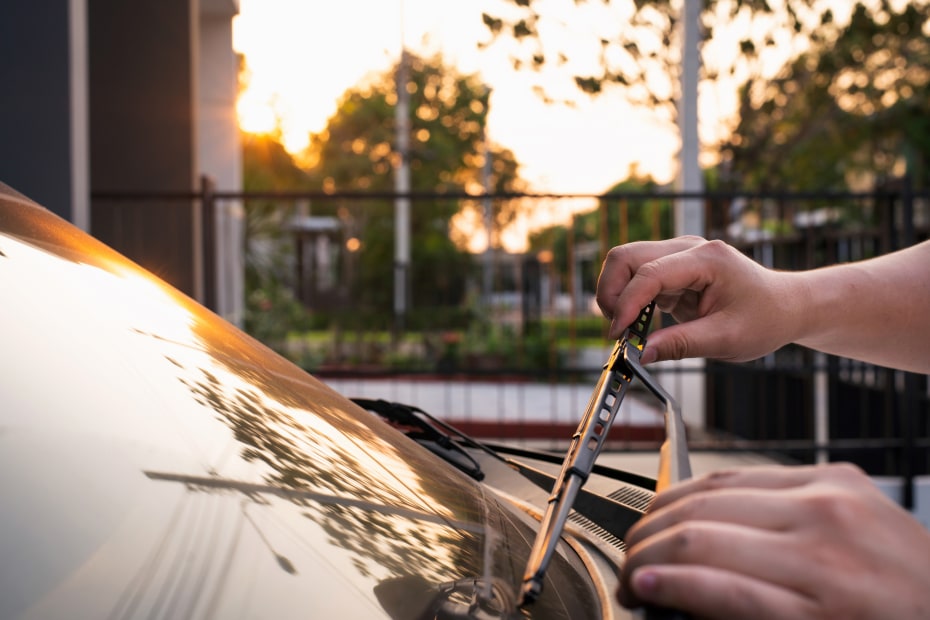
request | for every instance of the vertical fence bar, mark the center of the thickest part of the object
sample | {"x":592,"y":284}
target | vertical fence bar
{"x":624,"y":221}
{"x":207,"y":275}
{"x":655,"y":211}
{"x":821,"y":407}
{"x":909,"y":397}
{"x":570,"y":252}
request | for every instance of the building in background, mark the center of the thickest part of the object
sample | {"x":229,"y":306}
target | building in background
{"x":106,"y":98}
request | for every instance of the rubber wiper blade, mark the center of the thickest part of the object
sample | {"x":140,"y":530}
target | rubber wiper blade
{"x":587,"y":442}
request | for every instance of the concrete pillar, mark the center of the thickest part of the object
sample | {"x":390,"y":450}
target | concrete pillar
{"x":220,"y":150}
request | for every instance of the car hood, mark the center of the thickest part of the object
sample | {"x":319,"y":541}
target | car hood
{"x":156,"y":461}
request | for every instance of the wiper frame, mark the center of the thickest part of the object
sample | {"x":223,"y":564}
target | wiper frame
{"x":588,"y":441}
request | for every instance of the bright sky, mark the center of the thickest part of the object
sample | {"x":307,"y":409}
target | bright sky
{"x":303,"y":54}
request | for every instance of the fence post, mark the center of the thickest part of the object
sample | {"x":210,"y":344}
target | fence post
{"x":821,"y":408}
{"x":909,"y":398}
{"x":208,"y":242}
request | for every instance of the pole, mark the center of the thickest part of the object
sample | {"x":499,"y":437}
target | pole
{"x":402,"y":199}
{"x":689,"y":212}
{"x":487,"y":279}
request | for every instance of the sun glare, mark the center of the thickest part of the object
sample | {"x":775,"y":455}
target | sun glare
{"x":300,"y":57}
{"x":255,"y":115}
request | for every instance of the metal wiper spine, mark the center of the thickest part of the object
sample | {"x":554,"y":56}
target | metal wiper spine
{"x":588,"y":441}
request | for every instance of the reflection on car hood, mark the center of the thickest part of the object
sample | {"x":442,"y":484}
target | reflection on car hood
{"x":155,"y":461}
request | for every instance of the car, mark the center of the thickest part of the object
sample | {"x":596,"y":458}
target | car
{"x":158,"y":462}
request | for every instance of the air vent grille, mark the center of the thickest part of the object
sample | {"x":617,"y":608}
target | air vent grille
{"x":596,"y":530}
{"x":633,"y":497}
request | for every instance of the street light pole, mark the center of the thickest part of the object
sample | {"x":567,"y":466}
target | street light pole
{"x":402,"y":198}
{"x":689,"y":211}
{"x":487,"y":280}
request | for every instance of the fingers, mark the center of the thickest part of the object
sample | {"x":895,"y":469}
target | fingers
{"x":708,"y":592}
{"x":675,"y":280}
{"x":737,"y":548}
{"x":698,"y":338}
{"x":761,"y":508}
{"x":759,"y":477}
{"x":777,"y":542}
{"x":696,"y":281}
{"x":666,"y":278}
{"x":744,"y":522}
{"x":620,"y":266}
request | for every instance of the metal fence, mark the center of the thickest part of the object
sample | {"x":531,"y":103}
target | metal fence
{"x":794,"y":402}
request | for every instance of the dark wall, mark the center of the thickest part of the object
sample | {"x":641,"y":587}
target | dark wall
{"x":35,"y":117}
{"x":142,"y":102}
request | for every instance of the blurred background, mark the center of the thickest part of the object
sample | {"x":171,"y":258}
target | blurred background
{"x":412,"y":199}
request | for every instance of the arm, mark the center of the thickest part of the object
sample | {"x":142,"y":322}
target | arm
{"x":731,"y":308}
{"x":779,"y":542}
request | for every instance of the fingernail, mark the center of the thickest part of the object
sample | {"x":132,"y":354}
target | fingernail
{"x":645,"y":582}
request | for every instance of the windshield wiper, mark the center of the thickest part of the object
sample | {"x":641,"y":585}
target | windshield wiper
{"x":674,"y":465}
{"x":428,"y":431}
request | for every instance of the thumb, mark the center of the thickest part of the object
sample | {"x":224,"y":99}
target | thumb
{"x":698,"y":338}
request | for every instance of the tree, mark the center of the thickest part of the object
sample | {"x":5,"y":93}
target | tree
{"x":856,"y":105}
{"x":648,"y":218}
{"x":356,"y":153}
{"x":271,"y":308}
{"x":634,"y":45}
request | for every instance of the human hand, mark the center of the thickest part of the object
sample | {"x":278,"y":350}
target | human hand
{"x":779,"y":542}
{"x":727,"y":306}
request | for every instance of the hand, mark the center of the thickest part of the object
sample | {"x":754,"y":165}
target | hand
{"x":727,"y":306}
{"x":779,"y":542}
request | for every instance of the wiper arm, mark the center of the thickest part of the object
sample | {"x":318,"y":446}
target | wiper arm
{"x":674,"y":462}
{"x":621,"y":367}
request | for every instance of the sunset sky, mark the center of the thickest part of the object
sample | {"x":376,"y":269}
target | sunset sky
{"x":302,"y":55}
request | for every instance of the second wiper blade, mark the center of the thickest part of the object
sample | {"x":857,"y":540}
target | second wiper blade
{"x":434,"y":434}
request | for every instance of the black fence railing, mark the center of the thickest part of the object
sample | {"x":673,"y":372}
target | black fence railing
{"x":527,"y":315}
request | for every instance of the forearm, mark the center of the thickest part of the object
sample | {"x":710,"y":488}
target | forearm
{"x":876,"y":311}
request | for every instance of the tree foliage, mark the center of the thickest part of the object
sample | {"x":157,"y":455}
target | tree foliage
{"x":615,"y":220}
{"x":855,"y":106}
{"x":357,"y":152}
{"x":271,"y":308}
{"x":635,"y":45}
{"x":850,"y":97}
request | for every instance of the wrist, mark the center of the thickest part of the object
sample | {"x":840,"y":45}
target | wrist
{"x":830,"y":301}
{"x":801,"y":306}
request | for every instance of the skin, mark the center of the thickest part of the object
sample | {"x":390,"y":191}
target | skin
{"x":730,"y":308}
{"x":775,"y":542}
{"x":779,"y":542}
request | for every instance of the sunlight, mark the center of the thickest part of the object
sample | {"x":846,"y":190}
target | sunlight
{"x":255,"y":115}
{"x":300,"y":58}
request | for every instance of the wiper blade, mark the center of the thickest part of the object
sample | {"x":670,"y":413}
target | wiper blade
{"x":587,"y":442}
{"x":430,"y":432}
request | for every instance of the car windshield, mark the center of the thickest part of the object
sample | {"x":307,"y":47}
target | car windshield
{"x":159,"y":461}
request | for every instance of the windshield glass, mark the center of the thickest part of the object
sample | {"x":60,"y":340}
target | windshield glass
{"x":162,"y":460}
